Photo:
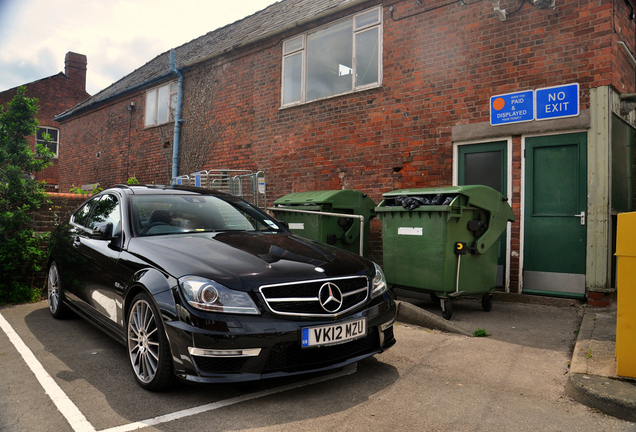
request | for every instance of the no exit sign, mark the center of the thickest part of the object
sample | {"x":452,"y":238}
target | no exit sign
{"x":557,"y":102}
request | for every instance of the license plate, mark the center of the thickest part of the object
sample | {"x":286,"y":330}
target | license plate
{"x":334,"y":334}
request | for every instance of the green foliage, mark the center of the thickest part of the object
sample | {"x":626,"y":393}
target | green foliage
{"x":79,"y":190}
{"x":480,"y":332}
{"x":132,"y":180}
{"x":20,"y":252}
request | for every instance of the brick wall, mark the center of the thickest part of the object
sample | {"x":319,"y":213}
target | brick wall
{"x":440,"y":66}
{"x":49,"y":216}
{"x":55,"y":95}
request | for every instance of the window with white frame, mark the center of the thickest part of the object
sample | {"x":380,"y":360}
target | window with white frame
{"x":336,"y":59}
{"x":161,"y":103}
{"x":53,"y":143}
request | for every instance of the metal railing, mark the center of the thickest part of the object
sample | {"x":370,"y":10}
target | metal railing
{"x":245,"y":184}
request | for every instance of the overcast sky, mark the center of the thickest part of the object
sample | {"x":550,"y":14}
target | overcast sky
{"x":117,"y":36}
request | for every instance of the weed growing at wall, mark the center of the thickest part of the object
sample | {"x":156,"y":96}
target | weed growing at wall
{"x":20,"y":195}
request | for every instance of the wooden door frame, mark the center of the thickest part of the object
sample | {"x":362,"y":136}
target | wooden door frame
{"x":508,"y":141}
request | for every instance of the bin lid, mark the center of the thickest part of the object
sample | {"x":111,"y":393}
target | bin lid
{"x":626,"y":234}
{"x":480,"y":196}
{"x":345,"y":199}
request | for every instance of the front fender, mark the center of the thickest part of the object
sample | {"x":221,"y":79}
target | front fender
{"x":160,"y":287}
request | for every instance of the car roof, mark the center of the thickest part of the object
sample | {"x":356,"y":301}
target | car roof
{"x":167,"y":190}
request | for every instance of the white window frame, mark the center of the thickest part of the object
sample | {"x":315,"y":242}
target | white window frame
{"x":297,"y":46}
{"x":161,"y":104}
{"x":47,"y":129}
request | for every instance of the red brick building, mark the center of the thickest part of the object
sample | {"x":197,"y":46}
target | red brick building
{"x":55,"y":94}
{"x":383,"y":95}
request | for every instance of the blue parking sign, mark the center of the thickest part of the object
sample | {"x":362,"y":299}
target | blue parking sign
{"x":557,"y":102}
{"x":512,"y":108}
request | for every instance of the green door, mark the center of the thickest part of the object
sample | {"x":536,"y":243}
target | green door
{"x":485,"y":164}
{"x":554,"y":216}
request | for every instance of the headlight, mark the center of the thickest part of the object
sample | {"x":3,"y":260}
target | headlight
{"x":379,"y":285}
{"x":208,"y":295}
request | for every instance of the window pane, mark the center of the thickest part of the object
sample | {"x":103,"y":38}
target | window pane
{"x":292,"y":84}
{"x":40,"y":134}
{"x":53,"y":133}
{"x":106,"y":210}
{"x":367,"y":18}
{"x":151,"y":108}
{"x":484,"y":168}
{"x":329,"y":52}
{"x":367,"y":57}
{"x":81,"y":215}
{"x":163,"y":99}
{"x":173,"y":106}
{"x":293,"y":45}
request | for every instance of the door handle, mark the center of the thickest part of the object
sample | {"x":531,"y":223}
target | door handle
{"x":582,"y":216}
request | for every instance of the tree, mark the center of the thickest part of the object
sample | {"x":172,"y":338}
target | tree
{"x":21,"y":254}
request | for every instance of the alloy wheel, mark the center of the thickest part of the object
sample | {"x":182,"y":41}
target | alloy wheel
{"x":143,"y":341}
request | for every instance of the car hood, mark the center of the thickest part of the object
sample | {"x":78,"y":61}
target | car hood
{"x":247,"y":260}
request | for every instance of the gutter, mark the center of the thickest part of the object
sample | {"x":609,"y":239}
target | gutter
{"x":177,"y":117}
{"x":149,"y":82}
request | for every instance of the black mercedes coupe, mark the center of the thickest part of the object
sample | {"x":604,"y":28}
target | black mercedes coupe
{"x":202,"y":286}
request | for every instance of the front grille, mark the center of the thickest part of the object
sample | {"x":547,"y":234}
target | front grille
{"x":302,"y":298}
{"x":290,"y":357}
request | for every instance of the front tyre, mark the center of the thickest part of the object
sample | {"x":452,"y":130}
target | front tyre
{"x":148,"y":349}
{"x":54,"y":293}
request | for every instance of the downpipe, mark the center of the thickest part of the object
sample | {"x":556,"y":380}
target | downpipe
{"x":177,"y":118}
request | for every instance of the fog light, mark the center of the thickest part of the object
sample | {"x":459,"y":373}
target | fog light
{"x":203,"y":352}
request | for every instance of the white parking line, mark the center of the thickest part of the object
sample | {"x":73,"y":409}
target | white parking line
{"x":66,"y":407}
{"x":227,"y":402}
{"x":79,"y":423}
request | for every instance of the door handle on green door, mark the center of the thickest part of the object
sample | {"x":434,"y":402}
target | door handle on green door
{"x":582,"y":216}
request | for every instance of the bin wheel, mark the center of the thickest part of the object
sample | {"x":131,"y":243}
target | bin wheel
{"x":434,"y":297}
{"x":447,"y":309}
{"x":486,"y":302}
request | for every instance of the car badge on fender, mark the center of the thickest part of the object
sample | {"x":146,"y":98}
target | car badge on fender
{"x":330,"y":297}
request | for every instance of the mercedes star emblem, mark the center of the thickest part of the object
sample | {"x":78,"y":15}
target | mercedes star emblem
{"x":330,"y":297}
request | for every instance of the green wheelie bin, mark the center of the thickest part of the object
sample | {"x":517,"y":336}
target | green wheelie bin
{"x":336,"y":217}
{"x":444,"y":241}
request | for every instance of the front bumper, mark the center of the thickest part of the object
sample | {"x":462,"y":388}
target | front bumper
{"x":216,"y":348}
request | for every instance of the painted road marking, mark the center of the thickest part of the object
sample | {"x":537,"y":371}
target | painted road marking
{"x":227,"y":402}
{"x":79,"y":423}
{"x":64,"y":405}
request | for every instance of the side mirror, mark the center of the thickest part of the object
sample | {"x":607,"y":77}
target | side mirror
{"x":103,"y":231}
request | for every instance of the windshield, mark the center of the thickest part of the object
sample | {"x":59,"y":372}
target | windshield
{"x":168,"y":214}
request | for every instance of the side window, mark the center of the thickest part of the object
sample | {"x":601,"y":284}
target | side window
{"x":335,"y":59}
{"x":81,"y":215}
{"x":161,"y":103}
{"x":107,"y":209}
{"x":54,"y":139}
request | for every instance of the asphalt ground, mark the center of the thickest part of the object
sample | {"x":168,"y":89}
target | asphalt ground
{"x":430,"y":380}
